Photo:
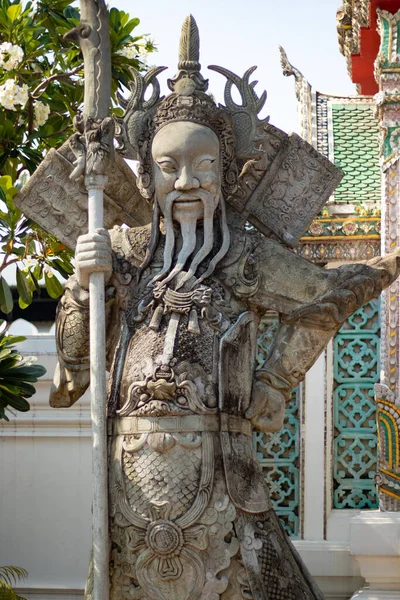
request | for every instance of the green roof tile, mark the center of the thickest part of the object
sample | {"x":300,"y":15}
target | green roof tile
{"x":356,"y":151}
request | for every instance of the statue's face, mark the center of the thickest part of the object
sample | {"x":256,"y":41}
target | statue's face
{"x":186,"y":158}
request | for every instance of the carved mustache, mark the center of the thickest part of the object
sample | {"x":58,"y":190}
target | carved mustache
{"x":189,"y":241}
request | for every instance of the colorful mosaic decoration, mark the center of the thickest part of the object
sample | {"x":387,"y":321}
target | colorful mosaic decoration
{"x":352,"y":238}
{"x":388,"y":421}
{"x":387,"y":73}
{"x":356,"y":370}
{"x":349,"y":227}
{"x":391,"y":297}
{"x":356,"y":151}
{"x":323,"y":252}
{"x":279,"y":452}
{"x":321,"y":140}
{"x":350,"y":17}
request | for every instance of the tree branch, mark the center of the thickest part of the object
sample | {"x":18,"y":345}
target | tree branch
{"x":56,"y":77}
{"x":43,"y":137}
{"x":6,"y":263}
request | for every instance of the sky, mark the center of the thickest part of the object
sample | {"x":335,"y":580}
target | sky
{"x":237,"y":34}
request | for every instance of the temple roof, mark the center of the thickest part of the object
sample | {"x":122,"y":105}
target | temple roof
{"x":359,"y":40}
{"x":346,"y":131}
{"x":356,"y":151}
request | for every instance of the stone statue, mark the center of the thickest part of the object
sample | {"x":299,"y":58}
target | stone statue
{"x":190,"y":516}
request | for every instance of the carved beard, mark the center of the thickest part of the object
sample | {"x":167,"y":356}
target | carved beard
{"x":188,"y":231}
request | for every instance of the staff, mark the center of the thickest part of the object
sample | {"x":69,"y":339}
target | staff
{"x":93,"y":37}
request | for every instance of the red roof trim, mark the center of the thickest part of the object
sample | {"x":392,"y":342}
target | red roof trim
{"x":362,"y":65}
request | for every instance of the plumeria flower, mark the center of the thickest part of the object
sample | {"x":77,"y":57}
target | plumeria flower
{"x":136,"y":50}
{"x":12,"y":94}
{"x":10,"y":56}
{"x":41,"y":111}
{"x":130,"y":51}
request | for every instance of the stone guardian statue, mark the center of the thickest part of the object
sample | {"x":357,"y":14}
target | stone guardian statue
{"x":189,"y":512}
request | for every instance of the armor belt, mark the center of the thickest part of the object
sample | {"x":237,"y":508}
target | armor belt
{"x":179,"y":424}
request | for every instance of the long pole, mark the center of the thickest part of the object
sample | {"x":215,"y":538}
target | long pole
{"x":100,"y":537}
{"x":94,"y":40}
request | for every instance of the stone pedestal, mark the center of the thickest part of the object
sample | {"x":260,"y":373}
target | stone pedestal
{"x":375,"y":543}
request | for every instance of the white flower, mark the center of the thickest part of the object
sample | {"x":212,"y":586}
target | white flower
{"x":10,"y":56}
{"x":143,"y":48}
{"x":136,"y":50}
{"x":11,"y":94}
{"x":130,"y":51}
{"x":42,"y":112}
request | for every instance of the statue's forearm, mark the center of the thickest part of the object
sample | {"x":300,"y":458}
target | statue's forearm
{"x":295,"y":350}
{"x":72,"y":376}
{"x":72,"y":338}
{"x":72,"y":325}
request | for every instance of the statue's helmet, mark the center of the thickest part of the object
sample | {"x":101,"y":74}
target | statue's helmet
{"x":237,"y":127}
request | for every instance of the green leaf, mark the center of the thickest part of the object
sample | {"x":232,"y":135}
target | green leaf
{"x":14,"y":12}
{"x":23,"y":304}
{"x":13,"y":339}
{"x":34,"y":280}
{"x":6,"y":299}
{"x":9,"y":388}
{"x":11,"y":575}
{"x":33,"y":370}
{"x":23,"y":288}
{"x":63,"y":267}
{"x":5,"y":352}
{"x":53,"y":286}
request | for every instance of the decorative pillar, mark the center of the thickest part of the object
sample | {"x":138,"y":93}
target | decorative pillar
{"x":388,"y":425}
{"x":387,"y":74}
{"x":375,"y":536}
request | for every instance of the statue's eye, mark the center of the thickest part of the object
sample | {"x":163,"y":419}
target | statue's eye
{"x":167,"y":166}
{"x":205,"y":163}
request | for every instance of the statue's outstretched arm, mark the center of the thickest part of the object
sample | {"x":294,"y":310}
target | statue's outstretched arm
{"x":305,"y":331}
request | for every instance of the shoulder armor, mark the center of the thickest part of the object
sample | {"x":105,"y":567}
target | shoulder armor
{"x":130,"y":245}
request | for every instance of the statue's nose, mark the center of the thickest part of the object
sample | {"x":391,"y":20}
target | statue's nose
{"x":186,"y":180}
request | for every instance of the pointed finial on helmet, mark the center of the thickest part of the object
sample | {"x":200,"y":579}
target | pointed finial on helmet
{"x":188,"y":79}
{"x":189,"y":45}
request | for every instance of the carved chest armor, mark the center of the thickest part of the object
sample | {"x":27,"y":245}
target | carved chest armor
{"x":186,"y":385}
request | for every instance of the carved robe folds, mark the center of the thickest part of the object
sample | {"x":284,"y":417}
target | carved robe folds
{"x":190,"y":516}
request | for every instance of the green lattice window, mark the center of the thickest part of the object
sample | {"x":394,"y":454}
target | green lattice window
{"x":356,"y":369}
{"x":279,"y":452}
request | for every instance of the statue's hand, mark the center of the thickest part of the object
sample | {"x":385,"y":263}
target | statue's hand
{"x":93,"y":255}
{"x":267,"y":407}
